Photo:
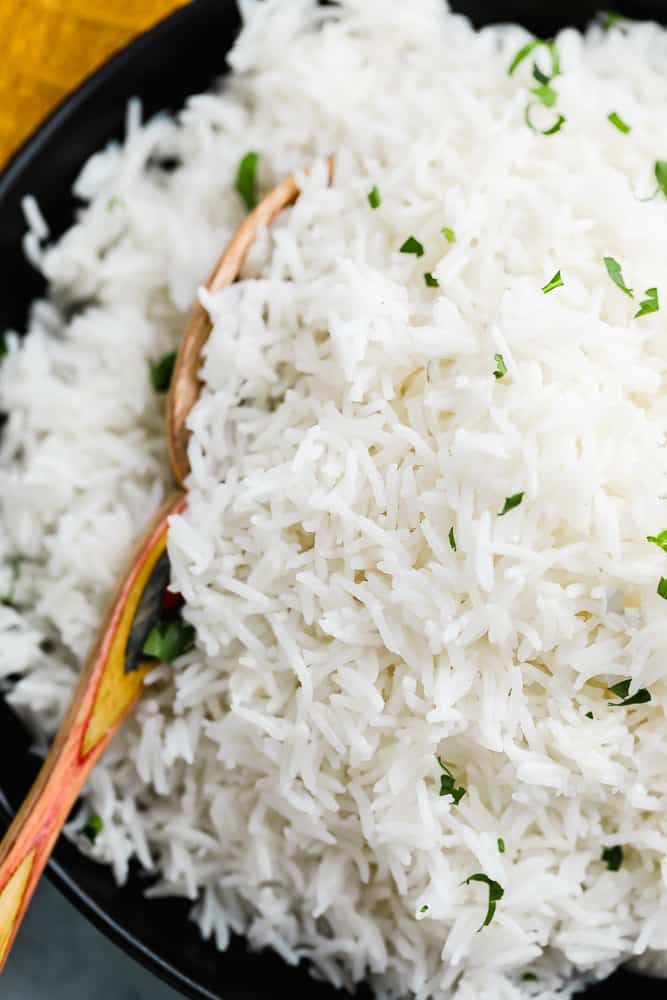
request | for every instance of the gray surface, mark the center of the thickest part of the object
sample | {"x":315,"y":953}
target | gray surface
{"x":59,"y":955}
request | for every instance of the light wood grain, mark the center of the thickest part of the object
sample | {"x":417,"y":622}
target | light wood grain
{"x":104,"y":695}
{"x":185,"y":383}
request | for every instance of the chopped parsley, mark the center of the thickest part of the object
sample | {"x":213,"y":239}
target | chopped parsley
{"x":169,"y":639}
{"x":374,"y":199}
{"x":412,"y":245}
{"x":523,"y":53}
{"x":526,"y":50}
{"x":616,"y":120}
{"x":93,"y":828}
{"x":660,"y":540}
{"x":662,"y":587}
{"x":423,"y":908}
{"x":660,"y":171}
{"x":589,"y":715}
{"x":430,"y":280}
{"x":616,"y":275}
{"x":539,"y":75}
{"x":15,"y":564}
{"x":622,"y":689}
{"x":246,"y":180}
{"x":161,"y":372}
{"x":648,"y":305}
{"x":511,"y":503}
{"x":496,"y":892}
{"x":556,"y":127}
{"x":501,"y":367}
{"x":613,"y":856}
{"x":555,"y":282}
{"x":501,"y":845}
{"x":452,"y":539}
{"x":448,"y":783}
{"x":555,"y":58}
{"x":449,"y":234}
{"x":545,"y":94}
{"x":610,"y":19}
{"x":529,"y":977}
{"x":3,"y":346}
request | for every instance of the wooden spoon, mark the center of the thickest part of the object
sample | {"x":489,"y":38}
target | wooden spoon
{"x":185,"y":383}
{"x":107,"y":689}
{"x":112,"y":680}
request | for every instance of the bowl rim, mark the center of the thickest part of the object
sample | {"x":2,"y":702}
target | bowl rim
{"x":66,"y":107}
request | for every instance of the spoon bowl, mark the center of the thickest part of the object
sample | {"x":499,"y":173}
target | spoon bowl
{"x":108,"y":688}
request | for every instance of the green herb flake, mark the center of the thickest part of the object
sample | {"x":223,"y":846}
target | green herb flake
{"x":452,"y":539}
{"x":412,"y":245}
{"x":539,"y":75}
{"x":526,"y":50}
{"x":556,"y":127}
{"x":114,"y":202}
{"x":448,"y":783}
{"x":511,"y":503}
{"x":529,"y":977}
{"x":374,"y":199}
{"x":589,"y":715}
{"x":662,"y":587}
{"x":449,"y":234}
{"x":15,"y":565}
{"x":93,"y":828}
{"x":523,"y":53}
{"x":616,"y":120}
{"x":659,"y":540}
{"x":161,"y":372}
{"x":555,"y":282}
{"x":169,"y":639}
{"x":660,"y":171}
{"x":423,"y":909}
{"x":4,"y":350}
{"x":545,"y":94}
{"x":501,"y":845}
{"x":501,"y":367}
{"x":610,"y":19}
{"x":616,"y":275}
{"x":555,"y":58}
{"x":246,"y":180}
{"x":622,"y":690}
{"x":613,"y":856}
{"x":496,"y":892}
{"x":431,"y":281}
{"x":648,"y":305}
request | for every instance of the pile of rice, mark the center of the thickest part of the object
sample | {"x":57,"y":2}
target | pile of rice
{"x":283,"y":774}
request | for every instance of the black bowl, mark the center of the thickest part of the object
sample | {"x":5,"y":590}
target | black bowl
{"x":180,"y":56}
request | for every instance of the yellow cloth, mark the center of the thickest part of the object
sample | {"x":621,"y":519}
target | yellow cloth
{"x":49,"y":46}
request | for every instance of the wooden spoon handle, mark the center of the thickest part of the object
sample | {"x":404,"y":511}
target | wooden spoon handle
{"x":103,"y":696}
{"x":185,"y":384}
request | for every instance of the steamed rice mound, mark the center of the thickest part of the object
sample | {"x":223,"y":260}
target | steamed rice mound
{"x":361,"y":605}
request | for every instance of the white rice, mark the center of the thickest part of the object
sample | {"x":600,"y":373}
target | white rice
{"x":283,"y":774}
